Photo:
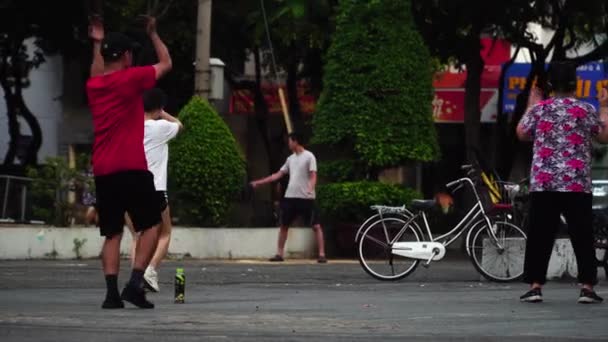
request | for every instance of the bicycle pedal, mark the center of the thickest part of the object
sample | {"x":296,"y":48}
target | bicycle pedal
{"x":426,"y":265}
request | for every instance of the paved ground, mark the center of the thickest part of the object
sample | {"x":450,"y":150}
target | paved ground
{"x":252,"y":301}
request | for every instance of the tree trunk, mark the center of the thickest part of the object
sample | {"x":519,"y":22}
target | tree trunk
{"x":15,"y":106}
{"x":502,"y":121}
{"x":295,"y":111}
{"x":31,"y":153}
{"x":260,"y":106}
{"x":13,"y":127}
{"x":472,"y":110}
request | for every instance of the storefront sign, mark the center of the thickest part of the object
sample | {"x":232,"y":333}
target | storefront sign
{"x":591,"y":78}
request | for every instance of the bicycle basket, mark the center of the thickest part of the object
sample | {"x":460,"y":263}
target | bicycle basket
{"x":495,"y":194}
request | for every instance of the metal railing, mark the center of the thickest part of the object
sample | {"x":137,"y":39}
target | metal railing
{"x":21,"y":182}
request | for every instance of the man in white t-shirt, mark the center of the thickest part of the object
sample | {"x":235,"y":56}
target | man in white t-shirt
{"x":299,"y":199}
{"x":159,"y":129}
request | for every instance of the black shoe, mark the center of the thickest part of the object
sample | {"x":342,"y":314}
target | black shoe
{"x":322,"y":260}
{"x":532,"y":296}
{"x":589,"y":297}
{"x":136,"y":296}
{"x":276,"y":258}
{"x":112,"y":303}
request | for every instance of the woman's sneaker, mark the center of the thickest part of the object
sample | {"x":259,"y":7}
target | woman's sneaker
{"x":151,"y":280}
{"x":589,"y":297}
{"x":532,"y":296}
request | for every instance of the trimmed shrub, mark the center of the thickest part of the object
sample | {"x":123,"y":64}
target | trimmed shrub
{"x":377,"y":87}
{"x":351,"y":201}
{"x":206,"y":167}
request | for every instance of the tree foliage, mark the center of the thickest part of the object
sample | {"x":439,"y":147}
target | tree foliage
{"x":376,"y":100}
{"x":206,"y":167}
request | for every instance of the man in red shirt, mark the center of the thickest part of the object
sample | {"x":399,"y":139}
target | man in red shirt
{"x":123,"y":182}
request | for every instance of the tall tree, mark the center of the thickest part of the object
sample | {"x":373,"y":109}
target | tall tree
{"x":575,"y":24}
{"x":375,"y":108}
{"x":453,"y":29}
{"x":50,"y":29}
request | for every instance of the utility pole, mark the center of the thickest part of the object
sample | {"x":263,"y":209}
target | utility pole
{"x":203,"y":40}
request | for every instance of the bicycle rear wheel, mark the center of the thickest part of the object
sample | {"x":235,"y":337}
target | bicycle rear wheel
{"x":500,"y":259}
{"x":375,"y":249}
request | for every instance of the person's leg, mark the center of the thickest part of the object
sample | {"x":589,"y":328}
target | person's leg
{"x":164,"y":238}
{"x":110,"y":260}
{"x":134,"y":237}
{"x":578,"y":212}
{"x":287,"y":215}
{"x":311,"y":216}
{"x":91,"y":216}
{"x":283,"y":233}
{"x":151,"y":273}
{"x":145,"y":247}
{"x":110,"y":208}
{"x":544,"y":221}
{"x":142,"y":207}
{"x":320,"y":241}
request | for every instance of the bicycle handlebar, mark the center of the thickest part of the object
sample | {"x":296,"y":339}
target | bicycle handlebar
{"x":466,"y":167}
{"x":454,"y":183}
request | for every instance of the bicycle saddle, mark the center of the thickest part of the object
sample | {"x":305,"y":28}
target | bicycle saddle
{"x":423,"y":204}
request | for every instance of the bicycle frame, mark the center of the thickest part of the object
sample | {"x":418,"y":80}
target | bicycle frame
{"x":464,"y":225}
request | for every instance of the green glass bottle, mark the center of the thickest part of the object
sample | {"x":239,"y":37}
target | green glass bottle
{"x":180,"y":286}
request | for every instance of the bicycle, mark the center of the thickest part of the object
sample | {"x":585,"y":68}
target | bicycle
{"x":390,"y":248}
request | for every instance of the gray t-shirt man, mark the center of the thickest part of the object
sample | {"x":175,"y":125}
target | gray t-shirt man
{"x":299,"y":166}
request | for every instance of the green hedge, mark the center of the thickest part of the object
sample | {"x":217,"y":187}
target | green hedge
{"x":206,"y":167}
{"x":378,"y":86}
{"x":351,"y":201}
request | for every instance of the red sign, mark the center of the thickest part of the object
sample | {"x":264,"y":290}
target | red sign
{"x":448,"y":105}
{"x":242,"y":100}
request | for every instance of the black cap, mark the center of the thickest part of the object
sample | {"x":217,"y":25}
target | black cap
{"x":114,"y":44}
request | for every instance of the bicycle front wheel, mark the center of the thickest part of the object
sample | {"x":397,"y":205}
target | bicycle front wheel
{"x":498,"y":259}
{"x":375,"y":248}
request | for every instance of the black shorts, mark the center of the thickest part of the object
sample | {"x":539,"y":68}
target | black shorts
{"x":132,"y":192}
{"x":163,"y":200}
{"x":291,"y":208}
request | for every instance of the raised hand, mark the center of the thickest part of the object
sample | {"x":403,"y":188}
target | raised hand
{"x":149,"y":23}
{"x":603,"y":97}
{"x":536,"y":96}
{"x":96,"y":31}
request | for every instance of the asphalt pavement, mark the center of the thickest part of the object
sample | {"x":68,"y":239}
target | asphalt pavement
{"x":294,"y":301}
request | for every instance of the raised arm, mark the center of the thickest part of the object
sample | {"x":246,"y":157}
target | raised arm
{"x":164,"y":64}
{"x":96,"y":33}
{"x":535,"y":97}
{"x":603,"y":99}
{"x":166,"y":116}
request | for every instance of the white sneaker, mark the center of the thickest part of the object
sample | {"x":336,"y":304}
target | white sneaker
{"x":151,"y":279}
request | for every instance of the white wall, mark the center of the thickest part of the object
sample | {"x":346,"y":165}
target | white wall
{"x":209,"y":243}
{"x":43,"y":98}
